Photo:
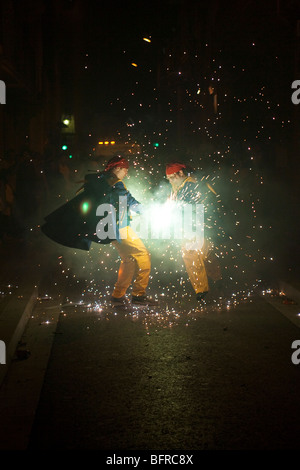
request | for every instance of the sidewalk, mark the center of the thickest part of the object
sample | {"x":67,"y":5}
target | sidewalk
{"x":20,"y":273}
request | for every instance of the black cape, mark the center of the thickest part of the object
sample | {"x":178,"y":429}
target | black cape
{"x":74,"y":223}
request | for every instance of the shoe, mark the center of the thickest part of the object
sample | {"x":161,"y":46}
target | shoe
{"x":201,"y":295}
{"x":119,"y":301}
{"x":143,"y":300}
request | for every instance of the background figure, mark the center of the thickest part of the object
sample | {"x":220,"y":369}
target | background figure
{"x":200,"y":263}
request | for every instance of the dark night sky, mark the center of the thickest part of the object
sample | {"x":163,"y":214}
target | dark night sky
{"x":249,"y":45}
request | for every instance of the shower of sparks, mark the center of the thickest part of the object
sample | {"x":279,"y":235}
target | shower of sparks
{"x":234,"y":212}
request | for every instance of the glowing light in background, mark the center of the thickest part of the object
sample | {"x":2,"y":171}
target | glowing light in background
{"x":85,"y":207}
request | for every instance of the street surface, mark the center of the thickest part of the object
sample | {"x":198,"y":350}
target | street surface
{"x":218,"y":378}
{"x":172,"y":378}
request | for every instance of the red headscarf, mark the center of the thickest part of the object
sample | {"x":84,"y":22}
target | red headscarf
{"x":117,"y":162}
{"x":174,"y":168}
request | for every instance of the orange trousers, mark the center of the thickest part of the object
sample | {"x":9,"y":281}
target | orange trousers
{"x":135,"y":264}
{"x":201,"y":264}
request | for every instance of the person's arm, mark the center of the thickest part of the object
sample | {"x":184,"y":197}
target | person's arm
{"x":132,"y":203}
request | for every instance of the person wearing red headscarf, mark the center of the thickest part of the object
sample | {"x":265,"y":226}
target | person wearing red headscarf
{"x":199,"y":262}
{"x":135,"y":259}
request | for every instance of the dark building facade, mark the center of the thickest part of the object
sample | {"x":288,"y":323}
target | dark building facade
{"x":38,"y":57}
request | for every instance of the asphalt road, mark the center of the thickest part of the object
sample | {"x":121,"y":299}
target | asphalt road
{"x":220,"y":378}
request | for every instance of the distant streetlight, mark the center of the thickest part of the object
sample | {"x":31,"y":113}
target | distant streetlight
{"x":147,"y":39}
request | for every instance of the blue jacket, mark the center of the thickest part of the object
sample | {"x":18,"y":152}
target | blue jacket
{"x":118,"y":190}
{"x":102,"y":189}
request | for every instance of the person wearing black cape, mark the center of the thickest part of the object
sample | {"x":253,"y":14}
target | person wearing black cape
{"x":76,"y":224}
{"x":135,"y":259}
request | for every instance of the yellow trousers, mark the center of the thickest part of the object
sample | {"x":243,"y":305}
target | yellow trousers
{"x":201,"y":264}
{"x":135,"y":263}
